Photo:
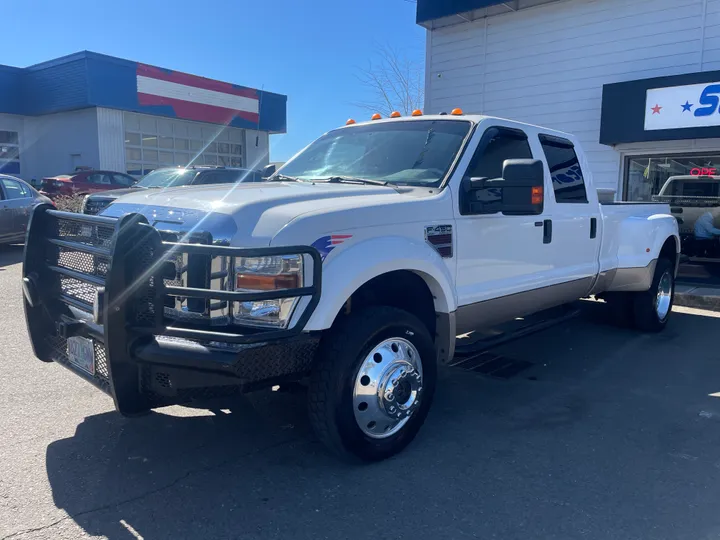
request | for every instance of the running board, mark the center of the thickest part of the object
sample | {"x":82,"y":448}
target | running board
{"x":515,"y":330}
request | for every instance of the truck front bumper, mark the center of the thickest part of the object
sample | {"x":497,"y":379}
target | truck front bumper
{"x":96,"y":295}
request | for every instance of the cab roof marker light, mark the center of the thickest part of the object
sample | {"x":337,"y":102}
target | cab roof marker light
{"x":395,"y":114}
{"x":417,"y":112}
{"x":376,"y":116}
{"x":456,"y":112}
{"x":350,"y":122}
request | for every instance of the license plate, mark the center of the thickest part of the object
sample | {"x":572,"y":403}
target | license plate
{"x":81,"y":353}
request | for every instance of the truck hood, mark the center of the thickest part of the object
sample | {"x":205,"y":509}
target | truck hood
{"x":255,"y":212}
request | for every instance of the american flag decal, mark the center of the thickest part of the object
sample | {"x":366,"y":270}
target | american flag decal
{"x":325,"y":244}
{"x":196,"y":98}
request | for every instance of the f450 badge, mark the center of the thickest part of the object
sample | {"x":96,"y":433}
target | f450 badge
{"x":440,"y":238}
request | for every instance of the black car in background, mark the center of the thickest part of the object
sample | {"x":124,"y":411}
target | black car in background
{"x":173,"y":177}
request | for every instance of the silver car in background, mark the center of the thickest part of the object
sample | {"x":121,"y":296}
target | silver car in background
{"x":17,"y":199}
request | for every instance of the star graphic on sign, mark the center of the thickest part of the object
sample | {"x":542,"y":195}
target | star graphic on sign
{"x":656,"y":109}
{"x":687,"y":106}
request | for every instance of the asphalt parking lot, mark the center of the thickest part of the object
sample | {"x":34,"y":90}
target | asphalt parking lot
{"x":607,"y":434}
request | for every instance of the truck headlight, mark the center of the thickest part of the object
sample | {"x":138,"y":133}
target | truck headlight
{"x":259,"y":274}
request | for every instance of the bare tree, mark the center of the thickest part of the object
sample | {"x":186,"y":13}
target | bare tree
{"x":396,"y":83}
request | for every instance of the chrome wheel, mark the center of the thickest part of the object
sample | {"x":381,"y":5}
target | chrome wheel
{"x":388,"y":388}
{"x":664,"y":296}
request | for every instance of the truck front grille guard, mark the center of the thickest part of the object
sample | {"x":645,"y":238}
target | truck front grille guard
{"x":69,"y":257}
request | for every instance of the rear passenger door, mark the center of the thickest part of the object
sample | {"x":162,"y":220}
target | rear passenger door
{"x":576,"y":219}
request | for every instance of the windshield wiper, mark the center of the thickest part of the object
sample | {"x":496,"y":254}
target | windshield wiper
{"x":353,"y":180}
{"x":284,"y":178}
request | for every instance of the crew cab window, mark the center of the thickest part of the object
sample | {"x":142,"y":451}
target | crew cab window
{"x":505,"y":144}
{"x":565,"y":171}
{"x":488,"y":163}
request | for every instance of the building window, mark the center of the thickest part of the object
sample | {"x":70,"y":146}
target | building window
{"x":9,"y":152}
{"x":151,"y":143}
{"x":690,"y":184}
{"x":645,"y":176}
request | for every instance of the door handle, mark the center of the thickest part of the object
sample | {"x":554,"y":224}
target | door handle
{"x":593,"y":227}
{"x":547,"y":231}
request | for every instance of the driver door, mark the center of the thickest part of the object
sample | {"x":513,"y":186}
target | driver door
{"x":499,"y":256}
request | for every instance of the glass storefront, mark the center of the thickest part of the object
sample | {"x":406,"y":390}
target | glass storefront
{"x":690,"y":184}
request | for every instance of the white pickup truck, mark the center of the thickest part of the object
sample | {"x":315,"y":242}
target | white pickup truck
{"x":355,"y":266}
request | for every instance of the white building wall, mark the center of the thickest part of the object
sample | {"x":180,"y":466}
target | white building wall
{"x":111,"y":139}
{"x":547,"y":64}
{"x":95,"y":137}
{"x":57,"y":143}
{"x":257,"y":149}
{"x":12,"y":122}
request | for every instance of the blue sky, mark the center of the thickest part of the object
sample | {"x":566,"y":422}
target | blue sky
{"x":308,"y":50}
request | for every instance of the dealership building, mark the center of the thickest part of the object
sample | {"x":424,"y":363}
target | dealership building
{"x":636,"y":81}
{"x":96,"y":111}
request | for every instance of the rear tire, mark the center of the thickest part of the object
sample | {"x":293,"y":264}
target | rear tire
{"x":652,"y":308}
{"x":373,"y":383}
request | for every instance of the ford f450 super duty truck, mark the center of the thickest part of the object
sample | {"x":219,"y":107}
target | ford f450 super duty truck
{"x":354,"y":266}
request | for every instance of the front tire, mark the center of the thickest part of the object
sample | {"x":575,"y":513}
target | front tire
{"x":373,"y":383}
{"x":652,"y":308}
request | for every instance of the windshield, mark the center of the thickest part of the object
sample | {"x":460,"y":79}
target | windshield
{"x":403,"y":153}
{"x":163,"y":178}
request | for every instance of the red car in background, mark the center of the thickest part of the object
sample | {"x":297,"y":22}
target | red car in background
{"x":84,"y":182}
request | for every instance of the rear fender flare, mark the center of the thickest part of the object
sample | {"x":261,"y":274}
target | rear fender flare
{"x":640,"y":239}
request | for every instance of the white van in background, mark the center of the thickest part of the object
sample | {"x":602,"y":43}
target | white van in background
{"x":689,"y":197}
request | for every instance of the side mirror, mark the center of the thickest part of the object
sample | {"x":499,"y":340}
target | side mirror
{"x":522,"y":187}
{"x":268,"y":170}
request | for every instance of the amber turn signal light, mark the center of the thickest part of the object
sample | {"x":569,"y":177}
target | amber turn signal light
{"x":260,"y":282}
{"x":536,"y":195}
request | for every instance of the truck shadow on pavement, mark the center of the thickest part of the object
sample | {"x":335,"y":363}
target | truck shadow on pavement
{"x":609,"y":434}
{"x":10,"y":254}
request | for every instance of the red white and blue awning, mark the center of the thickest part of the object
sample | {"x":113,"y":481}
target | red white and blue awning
{"x":196,"y":98}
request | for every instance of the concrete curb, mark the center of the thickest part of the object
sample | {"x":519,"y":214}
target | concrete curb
{"x":698,"y":297}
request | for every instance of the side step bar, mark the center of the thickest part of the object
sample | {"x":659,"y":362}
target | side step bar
{"x":515,"y":330}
